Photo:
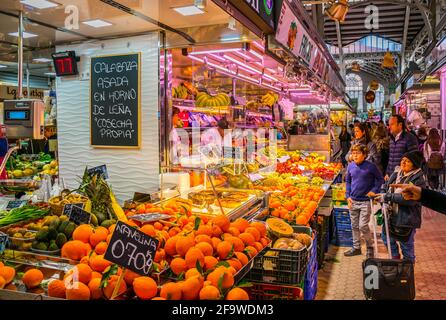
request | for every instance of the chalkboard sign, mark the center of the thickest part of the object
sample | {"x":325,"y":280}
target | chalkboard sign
{"x":79,"y":215}
{"x":13,"y":204}
{"x":101,"y":170}
{"x":115,"y":101}
{"x":67,"y":208}
{"x":131,"y":249}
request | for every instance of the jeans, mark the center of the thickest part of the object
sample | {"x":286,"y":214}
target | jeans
{"x":407,"y":248}
{"x":360,"y":218}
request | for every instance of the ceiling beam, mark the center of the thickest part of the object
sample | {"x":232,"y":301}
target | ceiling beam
{"x":403,"y":43}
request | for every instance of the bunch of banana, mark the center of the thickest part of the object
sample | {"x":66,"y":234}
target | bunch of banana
{"x":205,"y":100}
{"x":180,"y":92}
{"x":252,"y":167}
{"x":270,"y":98}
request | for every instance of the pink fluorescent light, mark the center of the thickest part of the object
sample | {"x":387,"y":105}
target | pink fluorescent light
{"x":196,"y":59}
{"x":259,"y":46}
{"x":240,"y":64}
{"x":240,"y":53}
{"x":256,"y":54}
{"x":247,"y":70}
{"x":213,"y":51}
{"x":217,"y":57}
{"x":248,"y":78}
{"x":270,"y":78}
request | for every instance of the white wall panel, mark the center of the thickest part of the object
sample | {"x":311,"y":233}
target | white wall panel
{"x":130,"y":170}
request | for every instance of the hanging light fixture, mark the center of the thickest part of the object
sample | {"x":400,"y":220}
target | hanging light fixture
{"x":388,"y":61}
{"x":356,"y":67}
{"x":338,"y":11}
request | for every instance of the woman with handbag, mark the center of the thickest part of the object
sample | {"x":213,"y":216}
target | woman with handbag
{"x":404,"y":215}
{"x":433,"y":151}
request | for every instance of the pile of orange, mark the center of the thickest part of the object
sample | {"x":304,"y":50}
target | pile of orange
{"x":296,"y":204}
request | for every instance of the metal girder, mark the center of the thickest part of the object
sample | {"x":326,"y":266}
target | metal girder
{"x":403,"y":44}
{"x":421,"y":5}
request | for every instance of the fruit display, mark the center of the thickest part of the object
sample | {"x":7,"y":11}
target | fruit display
{"x":184,"y":91}
{"x":270,"y":98}
{"x":279,"y":228}
{"x":298,"y":242}
{"x":58,"y":202}
{"x":54,"y":234}
{"x":24,"y":167}
{"x":204,"y":99}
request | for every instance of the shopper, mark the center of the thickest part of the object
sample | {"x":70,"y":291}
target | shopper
{"x":381,"y":140}
{"x":363,"y":179}
{"x":362,"y":137}
{"x":404,"y":215}
{"x":3,"y":150}
{"x":434,"y":150}
{"x":345,"y":141}
{"x":401,"y":142}
{"x":421,"y":137}
{"x":428,"y":198}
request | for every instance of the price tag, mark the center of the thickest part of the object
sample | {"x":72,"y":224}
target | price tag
{"x":4,"y":240}
{"x":131,"y":249}
{"x":142,"y":197}
{"x":67,"y":208}
{"x":100,"y":170}
{"x":150,"y":217}
{"x":302,"y":168}
{"x":13,"y":204}
{"x":283,"y":159}
{"x":255,"y":176}
{"x":79,"y":215}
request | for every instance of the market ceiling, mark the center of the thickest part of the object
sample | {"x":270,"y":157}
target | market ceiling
{"x":395,"y":18}
{"x":125,"y":18}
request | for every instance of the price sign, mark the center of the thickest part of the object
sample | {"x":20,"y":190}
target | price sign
{"x":142,"y":197}
{"x":13,"y":204}
{"x":67,"y":208}
{"x":4,"y":239}
{"x":283,"y":159}
{"x":131,"y":249}
{"x":255,"y":176}
{"x":100,"y":170}
{"x":79,"y":215}
{"x":302,"y":168}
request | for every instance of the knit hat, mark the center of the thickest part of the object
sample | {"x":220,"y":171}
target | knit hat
{"x":416,"y":157}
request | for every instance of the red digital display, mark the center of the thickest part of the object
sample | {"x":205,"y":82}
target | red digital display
{"x":65,"y":63}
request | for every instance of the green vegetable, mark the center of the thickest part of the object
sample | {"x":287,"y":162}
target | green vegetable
{"x":23,"y":214}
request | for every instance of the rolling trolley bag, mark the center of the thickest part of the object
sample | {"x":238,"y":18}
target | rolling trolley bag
{"x":387,"y":279}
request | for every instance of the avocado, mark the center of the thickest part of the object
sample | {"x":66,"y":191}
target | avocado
{"x":61,"y":239}
{"x":69,"y":229}
{"x":52,"y":233}
{"x":101,"y":217}
{"x":41,"y":246}
{"x":107,"y":223}
{"x":55,"y":223}
{"x":53,"y":246}
{"x":42,"y":235}
{"x":63,"y":225}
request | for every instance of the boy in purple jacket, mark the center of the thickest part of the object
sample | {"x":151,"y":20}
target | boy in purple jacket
{"x":363,"y":179}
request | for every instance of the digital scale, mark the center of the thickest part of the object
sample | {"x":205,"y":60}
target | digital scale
{"x":24,"y":119}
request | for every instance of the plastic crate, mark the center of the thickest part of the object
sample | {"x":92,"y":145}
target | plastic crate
{"x":311,"y":276}
{"x":266,"y":291}
{"x":342,"y":228}
{"x":282,"y":266}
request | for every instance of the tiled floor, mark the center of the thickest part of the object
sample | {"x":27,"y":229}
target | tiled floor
{"x":341,"y":277}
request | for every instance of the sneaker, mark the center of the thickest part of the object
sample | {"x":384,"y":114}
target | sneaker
{"x":370,"y":253}
{"x":352,"y":252}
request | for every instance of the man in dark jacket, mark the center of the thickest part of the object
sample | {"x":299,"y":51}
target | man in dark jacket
{"x":401,"y":142}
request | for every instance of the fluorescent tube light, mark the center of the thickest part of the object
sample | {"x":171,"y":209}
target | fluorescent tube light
{"x":25,"y":34}
{"x":97,"y":23}
{"x":188,"y":10}
{"x":42,"y":60}
{"x":39,"y":4}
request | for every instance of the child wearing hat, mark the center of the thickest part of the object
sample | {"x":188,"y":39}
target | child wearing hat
{"x":404,"y":215}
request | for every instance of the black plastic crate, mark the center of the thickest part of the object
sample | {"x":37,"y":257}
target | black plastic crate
{"x":282,"y":266}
